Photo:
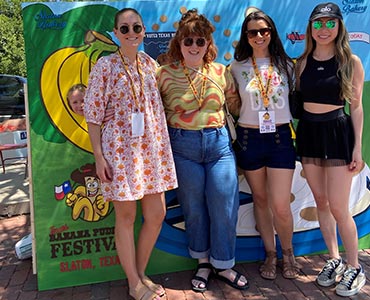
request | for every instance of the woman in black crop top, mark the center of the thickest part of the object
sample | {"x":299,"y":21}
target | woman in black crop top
{"x":329,"y":140}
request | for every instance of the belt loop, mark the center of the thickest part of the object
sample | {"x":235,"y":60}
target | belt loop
{"x":201,"y":132}
{"x":218,"y":130}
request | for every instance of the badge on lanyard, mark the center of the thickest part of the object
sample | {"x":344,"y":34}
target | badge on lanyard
{"x":267,"y":121}
{"x":137,"y":124}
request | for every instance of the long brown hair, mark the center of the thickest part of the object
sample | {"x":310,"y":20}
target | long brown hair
{"x":343,"y":56}
{"x":280,"y":59}
{"x":192,"y":23}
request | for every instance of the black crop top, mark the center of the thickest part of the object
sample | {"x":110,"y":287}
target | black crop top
{"x":319,"y":82}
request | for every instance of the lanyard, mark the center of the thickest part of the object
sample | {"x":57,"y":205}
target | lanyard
{"x":197,"y":96}
{"x":265,"y":90}
{"x":138,"y":64}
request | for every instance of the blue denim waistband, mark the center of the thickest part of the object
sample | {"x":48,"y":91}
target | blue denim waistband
{"x":282,"y":127}
{"x":197,"y":130}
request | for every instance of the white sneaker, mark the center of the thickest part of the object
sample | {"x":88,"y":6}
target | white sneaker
{"x":352,"y":281}
{"x":333,"y":268}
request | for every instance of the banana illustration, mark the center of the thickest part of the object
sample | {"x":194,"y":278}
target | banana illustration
{"x":64,"y":68}
{"x":85,"y":208}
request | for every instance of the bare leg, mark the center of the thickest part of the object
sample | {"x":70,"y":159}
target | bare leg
{"x":280,"y":183}
{"x":317,"y":180}
{"x":339,"y":206}
{"x":154,"y":211}
{"x":257,"y":181}
{"x":124,"y":239}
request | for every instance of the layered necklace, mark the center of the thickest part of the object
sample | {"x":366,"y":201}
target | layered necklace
{"x":264,"y":89}
{"x":139,"y":70}
{"x":198,"y":96}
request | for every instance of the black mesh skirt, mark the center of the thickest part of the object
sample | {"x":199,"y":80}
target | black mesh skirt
{"x":325,"y":139}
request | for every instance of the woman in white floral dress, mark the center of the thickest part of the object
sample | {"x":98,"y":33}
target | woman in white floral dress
{"x":132,"y":150}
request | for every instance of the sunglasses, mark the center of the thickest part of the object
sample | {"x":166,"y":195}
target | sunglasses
{"x":200,"y":42}
{"x":263,"y":32}
{"x":328,"y":24}
{"x":125,"y":28}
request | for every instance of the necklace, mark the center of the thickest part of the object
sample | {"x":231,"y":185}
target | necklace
{"x":138,"y":64}
{"x":197,"y":96}
{"x":265,"y":90}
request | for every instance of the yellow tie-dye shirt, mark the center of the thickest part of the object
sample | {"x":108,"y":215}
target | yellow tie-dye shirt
{"x":182,"y":107}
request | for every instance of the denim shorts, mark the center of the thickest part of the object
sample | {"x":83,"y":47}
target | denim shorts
{"x":255,"y":150}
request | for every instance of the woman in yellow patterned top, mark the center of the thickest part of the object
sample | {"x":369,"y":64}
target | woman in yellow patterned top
{"x":194,"y":89}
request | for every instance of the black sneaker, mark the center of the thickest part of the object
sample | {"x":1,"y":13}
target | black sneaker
{"x":333,"y":268}
{"x":352,"y":281}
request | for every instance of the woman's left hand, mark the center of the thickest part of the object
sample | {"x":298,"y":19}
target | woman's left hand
{"x":357,"y":163}
{"x":109,"y":114}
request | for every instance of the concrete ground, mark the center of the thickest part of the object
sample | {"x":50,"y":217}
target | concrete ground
{"x":14,"y":187}
{"x":17,"y":281}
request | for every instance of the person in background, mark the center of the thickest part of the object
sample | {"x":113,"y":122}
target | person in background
{"x":265,"y":150}
{"x":132,"y":150}
{"x":194,"y":89}
{"x":329,"y":140}
{"x":75,"y":98}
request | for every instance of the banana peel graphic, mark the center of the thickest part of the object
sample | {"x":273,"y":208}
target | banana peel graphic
{"x":64,"y":68}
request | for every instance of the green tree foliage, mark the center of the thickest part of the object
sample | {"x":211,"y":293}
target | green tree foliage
{"x":12,"y":54}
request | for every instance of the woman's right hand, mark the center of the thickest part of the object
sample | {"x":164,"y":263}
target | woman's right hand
{"x":103,"y":170}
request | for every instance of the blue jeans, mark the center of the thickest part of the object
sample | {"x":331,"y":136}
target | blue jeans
{"x":208,"y":192}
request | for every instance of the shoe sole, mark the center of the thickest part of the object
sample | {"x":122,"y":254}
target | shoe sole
{"x":326,"y":283}
{"x":352,"y":292}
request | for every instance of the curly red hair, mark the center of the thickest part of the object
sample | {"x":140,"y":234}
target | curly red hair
{"x":192,"y":23}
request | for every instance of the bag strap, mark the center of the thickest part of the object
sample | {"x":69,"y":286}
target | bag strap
{"x":227,"y":109}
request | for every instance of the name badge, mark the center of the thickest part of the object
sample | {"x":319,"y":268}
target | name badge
{"x":137,"y":124}
{"x":267,"y":121}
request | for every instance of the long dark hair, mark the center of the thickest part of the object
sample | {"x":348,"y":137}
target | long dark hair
{"x":244,"y":50}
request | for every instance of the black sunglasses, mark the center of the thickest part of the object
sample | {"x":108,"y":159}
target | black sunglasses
{"x":263,"y":32}
{"x":190,"y":41}
{"x":125,"y":28}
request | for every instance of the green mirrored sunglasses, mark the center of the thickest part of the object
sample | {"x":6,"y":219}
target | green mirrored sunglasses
{"x":328,"y":24}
